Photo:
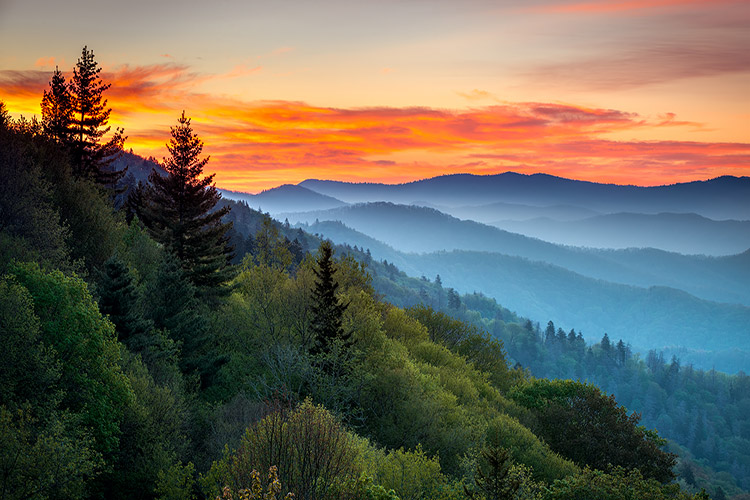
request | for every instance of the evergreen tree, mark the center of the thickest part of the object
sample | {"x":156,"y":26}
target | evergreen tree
{"x":179,"y":213}
{"x":327,"y":309}
{"x":91,"y":157}
{"x":118,"y":299}
{"x":135,"y":201}
{"x":454,"y":301}
{"x":57,"y":109}
{"x":172,"y":306}
{"x":549,"y":334}
{"x":494,"y":479}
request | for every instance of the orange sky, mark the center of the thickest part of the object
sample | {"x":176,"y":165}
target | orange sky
{"x":611,"y":91}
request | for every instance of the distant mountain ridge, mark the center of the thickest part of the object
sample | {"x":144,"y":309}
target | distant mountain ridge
{"x":285,"y":198}
{"x":647,"y":316}
{"x":683,"y":233}
{"x":420,"y":229}
{"x":724,"y":197}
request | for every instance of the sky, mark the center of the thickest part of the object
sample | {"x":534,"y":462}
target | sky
{"x":643,"y":92}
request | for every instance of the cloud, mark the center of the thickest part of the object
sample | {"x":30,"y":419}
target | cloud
{"x":239,"y":71}
{"x":45,"y":62}
{"x":282,"y":50}
{"x":260,"y":144}
{"x":623,"y":6}
{"x":647,"y":64}
{"x":477,"y":95}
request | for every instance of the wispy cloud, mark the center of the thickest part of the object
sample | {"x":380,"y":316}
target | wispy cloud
{"x":259,"y":144}
{"x":623,"y":6}
{"x":646,"y":64}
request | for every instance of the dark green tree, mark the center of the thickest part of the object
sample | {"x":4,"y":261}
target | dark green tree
{"x":581,"y":423}
{"x":172,"y":306}
{"x":31,"y":228}
{"x":179,"y":213}
{"x":57,"y":109}
{"x":493,"y":478}
{"x":118,"y":298}
{"x":91,"y":156}
{"x":327,"y":310}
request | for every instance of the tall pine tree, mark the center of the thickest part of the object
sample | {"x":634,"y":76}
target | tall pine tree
{"x":327,"y":309}
{"x":57,"y":109}
{"x":179,"y":212}
{"x":91,"y":156}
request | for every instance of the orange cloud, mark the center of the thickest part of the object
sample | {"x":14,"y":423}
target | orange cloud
{"x":257,"y":145}
{"x":610,"y":6}
{"x":45,"y":62}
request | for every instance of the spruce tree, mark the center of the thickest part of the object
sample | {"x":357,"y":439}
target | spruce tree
{"x":91,"y":157}
{"x":179,"y":213}
{"x":327,"y":310}
{"x":173,"y":308}
{"x":57,"y":110}
{"x":118,"y":299}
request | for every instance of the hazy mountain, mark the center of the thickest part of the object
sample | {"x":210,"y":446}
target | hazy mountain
{"x":720,"y":198}
{"x":341,"y":234}
{"x":683,"y":233}
{"x":647,"y":317}
{"x":285,"y":198}
{"x":420,"y":229}
{"x":139,"y":168}
{"x":500,"y":211}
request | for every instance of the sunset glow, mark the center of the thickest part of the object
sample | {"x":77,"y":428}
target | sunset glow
{"x":381,"y":108}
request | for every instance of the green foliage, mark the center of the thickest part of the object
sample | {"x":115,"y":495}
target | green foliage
{"x":590,"y":428}
{"x":43,"y":449}
{"x":619,"y":484}
{"x":411,"y":474}
{"x":43,"y":458}
{"x":91,"y":380}
{"x":95,"y":230}
{"x":493,"y":478}
{"x":443,"y":329}
{"x":172,"y":305}
{"x":526,"y":448}
{"x":30,"y":224}
{"x":153,"y":435}
{"x":29,"y":370}
{"x":177,"y":482}
{"x":270,"y":248}
{"x":311,"y":448}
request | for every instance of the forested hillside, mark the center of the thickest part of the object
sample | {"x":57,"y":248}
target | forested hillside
{"x":702,"y":412}
{"x":145,"y":356}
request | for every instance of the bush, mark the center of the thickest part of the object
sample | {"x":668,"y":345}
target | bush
{"x":310,"y":448}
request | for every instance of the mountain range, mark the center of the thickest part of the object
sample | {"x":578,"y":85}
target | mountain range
{"x":606,"y":278}
{"x":720,"y":198}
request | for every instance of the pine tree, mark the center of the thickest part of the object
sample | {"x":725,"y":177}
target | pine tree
{"x":118,"y":299}
{"x":494,"y":479}
{"x":57,"y":110}
{"x":327,"y":310}
{"x":91,"y":157}
{"x":178,"y":211}
{"x":173,"y":306}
